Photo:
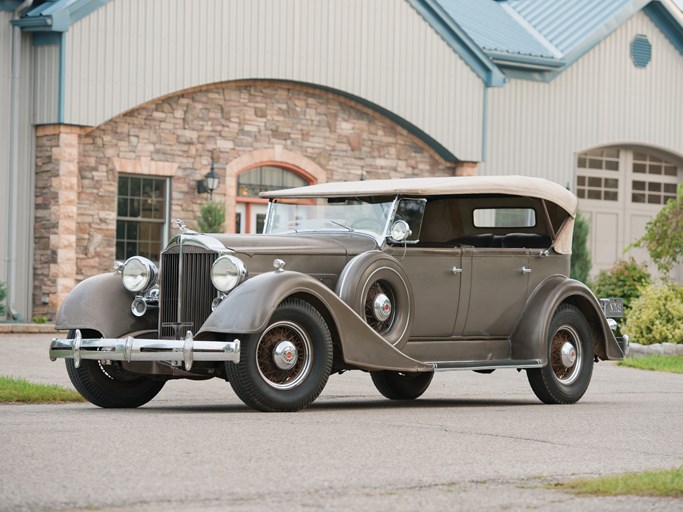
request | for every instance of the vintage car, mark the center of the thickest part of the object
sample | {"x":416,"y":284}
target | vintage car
{"x":399,"y":278}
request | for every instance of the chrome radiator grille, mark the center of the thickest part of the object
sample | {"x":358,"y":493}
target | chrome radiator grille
{"x":196,"y":292}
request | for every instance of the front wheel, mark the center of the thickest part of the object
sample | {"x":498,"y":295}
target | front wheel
{"x":565,"y":378}
{"x":402,"y":385}
{"x":110,"y":386}
{"x":287,"y":366}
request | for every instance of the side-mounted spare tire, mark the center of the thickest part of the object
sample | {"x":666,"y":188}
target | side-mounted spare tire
{"x":375,"y":285}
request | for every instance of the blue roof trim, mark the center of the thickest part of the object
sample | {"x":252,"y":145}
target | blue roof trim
{"x":9,"y":5}
{"x":47,"y":38}
{"x":57,"y":16}
{"x":671,"y":25}
{"x":460,"y":41}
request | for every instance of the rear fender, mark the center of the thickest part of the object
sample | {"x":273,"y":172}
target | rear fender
{"x":101,"y":303}
{"x":529,"y":338}
{"x":248,"y":308}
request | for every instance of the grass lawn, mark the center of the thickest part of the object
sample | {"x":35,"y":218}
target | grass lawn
{"x":657,"y":363}
{"x":22,"y":391}
{"x":667,"y":483}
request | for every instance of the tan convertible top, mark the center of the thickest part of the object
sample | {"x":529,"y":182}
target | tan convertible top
{"x":513,"y":185}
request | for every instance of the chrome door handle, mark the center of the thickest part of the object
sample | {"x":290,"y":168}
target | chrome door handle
{"x":456,"y":270}
{"x":525,"y":270}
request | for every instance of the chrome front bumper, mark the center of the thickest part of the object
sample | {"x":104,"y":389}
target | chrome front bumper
{"x":175,"y":352}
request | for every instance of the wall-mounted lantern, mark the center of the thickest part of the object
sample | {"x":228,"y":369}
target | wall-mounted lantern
{"x":209,"y":183}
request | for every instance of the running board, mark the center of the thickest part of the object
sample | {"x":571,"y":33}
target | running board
{"x":441,"y":366}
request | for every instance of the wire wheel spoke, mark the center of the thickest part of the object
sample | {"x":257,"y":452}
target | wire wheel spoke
{"x":376,"y":289}
{"x":565,"y":354}
{"x":272,"y":374}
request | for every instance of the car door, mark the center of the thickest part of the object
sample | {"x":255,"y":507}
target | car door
{"x":435,"y":276}
{"x":497,"y":289}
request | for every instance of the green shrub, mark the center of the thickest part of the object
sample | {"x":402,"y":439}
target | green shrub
{"x":3,"y":295}
{"x":40,"y":319}
{"x":212,"y":217}
{"x":581,"y":258}
{"x":625,"y":279}
{"x":657,"y":315}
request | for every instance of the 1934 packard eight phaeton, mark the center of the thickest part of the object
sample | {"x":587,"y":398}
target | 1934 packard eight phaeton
{"x":398,"y":278}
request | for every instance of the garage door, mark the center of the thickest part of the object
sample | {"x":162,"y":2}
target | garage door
{"x":620,"y":190}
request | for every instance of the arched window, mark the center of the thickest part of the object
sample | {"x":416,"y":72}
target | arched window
{"x":250,"y":210}
{"x":265,"y":178}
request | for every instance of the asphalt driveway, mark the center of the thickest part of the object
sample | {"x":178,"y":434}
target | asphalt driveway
{"x":472,"y":442}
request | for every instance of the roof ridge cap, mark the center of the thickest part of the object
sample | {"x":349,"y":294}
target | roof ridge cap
{"x":517,"y":17}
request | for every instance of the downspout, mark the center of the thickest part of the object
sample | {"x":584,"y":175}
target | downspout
{"x":485,"y":124}
{"x":14,"y":158}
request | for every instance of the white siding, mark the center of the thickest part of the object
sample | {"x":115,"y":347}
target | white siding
{"x":46,"y":83}
{"x":132,"y":51}
{"x":603,"y":99}
{"x":24,"y":219}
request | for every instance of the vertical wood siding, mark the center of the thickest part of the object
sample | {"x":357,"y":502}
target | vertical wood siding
{"x":538,"y":128}
{"x":132,"y":51}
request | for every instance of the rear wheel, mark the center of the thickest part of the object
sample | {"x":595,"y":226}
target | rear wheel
{"x":287,"y":366}
{"x":565,"y":378}
{"x":110,"y":386}
{"x":402,"y":385}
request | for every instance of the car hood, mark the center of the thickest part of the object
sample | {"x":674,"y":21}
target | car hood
{"x":342,"y":244}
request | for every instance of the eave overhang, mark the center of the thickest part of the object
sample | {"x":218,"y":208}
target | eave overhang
{"x":57,"y":16}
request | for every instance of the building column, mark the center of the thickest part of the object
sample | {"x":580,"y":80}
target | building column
{"x":466,"y":168}
{"x":55,"y":217}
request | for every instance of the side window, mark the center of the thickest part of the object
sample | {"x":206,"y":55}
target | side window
{"x":142,"y":217}
{"x":512,"y":218}
{"x":411,"y":211}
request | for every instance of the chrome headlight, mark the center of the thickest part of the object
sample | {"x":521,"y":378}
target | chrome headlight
{"x":139,"y":274}
{"x":227,"y":272}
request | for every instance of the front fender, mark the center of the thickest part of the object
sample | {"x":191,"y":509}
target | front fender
{"x":248,"y":308}
{"x":529,"y":338}
{"x":102,"y":303}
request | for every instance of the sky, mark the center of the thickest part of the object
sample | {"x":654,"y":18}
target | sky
{"x":680,"y":3}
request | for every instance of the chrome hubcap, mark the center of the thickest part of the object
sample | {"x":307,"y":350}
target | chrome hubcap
{"x":568,"y":355}
{"x":285,"y":355}
{"x":381,"y":307}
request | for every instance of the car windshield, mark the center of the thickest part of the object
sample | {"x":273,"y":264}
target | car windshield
{"x":356,"y":214}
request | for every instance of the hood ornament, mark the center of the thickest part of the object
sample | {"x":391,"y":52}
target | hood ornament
{"x":182,"y":227}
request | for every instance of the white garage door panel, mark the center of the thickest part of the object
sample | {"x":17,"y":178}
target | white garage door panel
{"x":606,"y":236}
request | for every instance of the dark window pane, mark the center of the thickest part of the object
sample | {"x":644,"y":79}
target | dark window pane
{"x":594,"y":194}
{"x":612,"y":153}
{"x":670,"y":170}
{"x":595,"y":182}
{"x":582,"y":162}
{"x":640,"y":168}
{"x":638,"y":198}
{"x":581,"y":193}
{"x":122,"y":207}
{"x":655,"y":169}
{"x":612,"y":165}
{"x":581,"y":181}
{"x":611,"y":183}
{"x":611,"y":196}
{"x":640,"y":157}
{"x":653,"y":186}
{"x":594,"y":163}
{"x":654,"y":199}
{"x":670,"y":188}
{"x":638,"y":185}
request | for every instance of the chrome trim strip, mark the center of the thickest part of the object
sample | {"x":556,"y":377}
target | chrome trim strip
{"x":441,"y":366}
{"x":130,"y":349}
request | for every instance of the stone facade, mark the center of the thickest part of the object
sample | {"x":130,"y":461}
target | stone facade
{"x":320,"y":135}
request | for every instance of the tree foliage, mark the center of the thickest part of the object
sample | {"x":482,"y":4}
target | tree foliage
{"x":581,"y":258}
{"x":663,"y":236}
{"x":212,"y":217}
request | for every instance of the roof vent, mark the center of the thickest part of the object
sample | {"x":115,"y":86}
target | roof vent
{"x":641,"y":51}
